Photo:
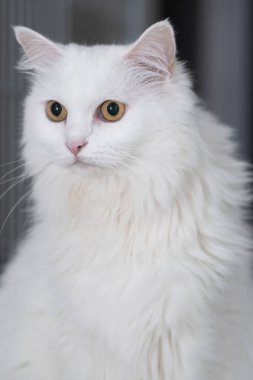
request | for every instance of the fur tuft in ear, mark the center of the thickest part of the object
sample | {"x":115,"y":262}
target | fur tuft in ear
{"x":155,"y":50}
{"x":39,"y":51}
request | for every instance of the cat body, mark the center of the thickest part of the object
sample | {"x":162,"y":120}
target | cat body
{"x":138,"y":262}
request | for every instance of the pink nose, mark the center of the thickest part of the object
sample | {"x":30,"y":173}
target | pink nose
{"x":76,"y":146}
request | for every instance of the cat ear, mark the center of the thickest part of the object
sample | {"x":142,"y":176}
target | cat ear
{"x":39,"y":52}
{"x":155,"y":50}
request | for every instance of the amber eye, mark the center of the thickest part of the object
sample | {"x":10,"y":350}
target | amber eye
{"x":112,"y":110}
{"x":56,"y":111}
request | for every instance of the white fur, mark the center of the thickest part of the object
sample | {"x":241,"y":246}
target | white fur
{"x":138,"y":262}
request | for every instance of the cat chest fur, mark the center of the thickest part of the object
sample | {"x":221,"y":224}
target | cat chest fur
{"x":113,"y":281}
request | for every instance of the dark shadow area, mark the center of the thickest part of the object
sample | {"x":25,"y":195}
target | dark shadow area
{"x":184,"y":16}
{"x":93,"y":25}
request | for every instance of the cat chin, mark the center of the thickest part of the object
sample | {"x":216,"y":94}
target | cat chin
{"x":85,"y":170}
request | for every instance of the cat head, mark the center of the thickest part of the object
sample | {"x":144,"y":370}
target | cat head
{"x":107,"y":109}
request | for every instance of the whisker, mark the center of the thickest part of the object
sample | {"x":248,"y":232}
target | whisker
{"x":116,"y":153}
{"x":11,"y":163}
{"x":13,"y":185}
{"x":11,"y":171}
{"x":24,"y":196}
{"x":13,"y":178}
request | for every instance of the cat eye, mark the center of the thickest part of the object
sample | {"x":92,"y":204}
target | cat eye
{"x":56,"y":111}
{"x":112,"y":110}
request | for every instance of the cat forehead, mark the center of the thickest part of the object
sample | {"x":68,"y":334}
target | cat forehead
{"x":93,"y":57}
{"x":83,"y":75}
{"x":85,"y":71}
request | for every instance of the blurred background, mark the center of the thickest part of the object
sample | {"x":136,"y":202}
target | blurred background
{"x":214,"y":37}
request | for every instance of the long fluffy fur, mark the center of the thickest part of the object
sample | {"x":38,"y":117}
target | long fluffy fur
{"x":138,"y":268}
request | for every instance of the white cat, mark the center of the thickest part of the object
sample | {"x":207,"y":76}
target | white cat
{"x":137,"y":266}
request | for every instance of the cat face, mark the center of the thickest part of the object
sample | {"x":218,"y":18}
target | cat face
{"x":101,"y":107}
{"x":98,"y":121}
